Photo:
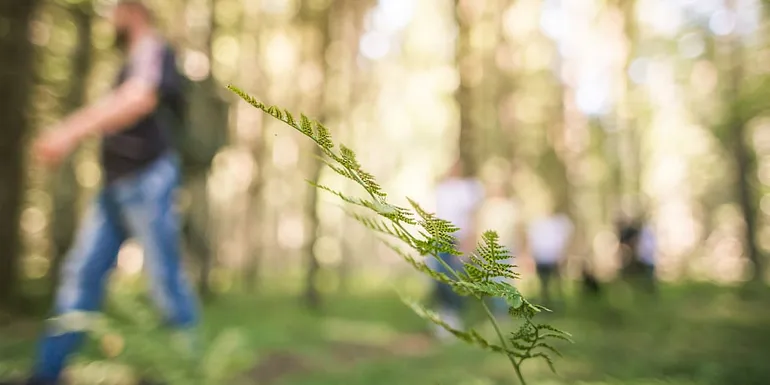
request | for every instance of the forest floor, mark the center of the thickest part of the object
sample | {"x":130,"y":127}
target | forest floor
{"x":694,"y":334}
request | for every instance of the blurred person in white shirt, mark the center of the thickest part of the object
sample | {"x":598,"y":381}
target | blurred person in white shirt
{"x":548,"y":239}
{"x":501,"y":213}
{"x":458,"y":197}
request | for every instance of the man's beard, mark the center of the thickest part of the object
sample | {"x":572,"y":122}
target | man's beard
{"x":121,"y":39}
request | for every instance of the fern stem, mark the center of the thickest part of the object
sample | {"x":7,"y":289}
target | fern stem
{"x":446,"y":266}
{"x":496,"y":326}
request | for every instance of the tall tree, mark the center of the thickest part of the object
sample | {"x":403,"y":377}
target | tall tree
{"x":347,"y":33}
{"x":16,"y":72}
{"x":67,"y":189}
{"x":208,"y":121}
{"x":466,"y":65}
{"x":252,"y":77}
{"x":743,"y":155}
{"x":314,"y":21}
{"x":628,"y":114}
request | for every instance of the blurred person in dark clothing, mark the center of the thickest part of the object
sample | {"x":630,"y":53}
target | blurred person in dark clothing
{"x":589,"y":281}
{"x":646,"y":250}
{"x":137,"y":200}
{"x":637,"y":252}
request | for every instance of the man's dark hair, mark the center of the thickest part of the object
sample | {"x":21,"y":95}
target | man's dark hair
{"x":138,"y":6}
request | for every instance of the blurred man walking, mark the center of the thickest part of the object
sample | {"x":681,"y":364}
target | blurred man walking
{"x":500,"y":212}
{"x":548,"y":240}
{"x":141,"y":173}
{"x":458,"y":197}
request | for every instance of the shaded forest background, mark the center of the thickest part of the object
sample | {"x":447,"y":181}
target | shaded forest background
{"x":605,"y":109}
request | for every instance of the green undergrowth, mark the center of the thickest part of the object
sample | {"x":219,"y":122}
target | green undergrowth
{"x":691,"y":335}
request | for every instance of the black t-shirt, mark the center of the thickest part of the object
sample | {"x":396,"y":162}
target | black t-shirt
{"x":131,"y":150}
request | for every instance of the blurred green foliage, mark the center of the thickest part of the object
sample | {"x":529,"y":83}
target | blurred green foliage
{"x":695,"y":334}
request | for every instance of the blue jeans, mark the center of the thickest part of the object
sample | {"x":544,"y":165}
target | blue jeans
{"x":139,"y":206}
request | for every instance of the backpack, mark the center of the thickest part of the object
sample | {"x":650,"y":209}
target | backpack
{"x":197,"y":116}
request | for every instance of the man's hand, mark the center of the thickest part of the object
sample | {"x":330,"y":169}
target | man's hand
{"x":54,"y":145}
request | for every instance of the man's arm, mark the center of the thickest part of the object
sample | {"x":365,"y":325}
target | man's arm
{"x":131,"y":101}
{"x":127,"y":104}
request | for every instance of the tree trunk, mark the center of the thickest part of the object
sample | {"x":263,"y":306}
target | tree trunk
{"x":312,"y":296}
{"x":746,"y":196}
{"x":196,"y":231}
{"x":318,"y":19}
{"x":66,"y":186}
{"x":630,"y":122}
{"x":744,"y":163}
{"x":207,"y":110}
{"x":16,"y":72}
{"x":349,"y":30}
{"x":743,"y":155}
{"x":464,"y":97}
{"x":253,"y":78}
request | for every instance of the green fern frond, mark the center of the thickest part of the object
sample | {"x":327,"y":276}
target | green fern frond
{"x":438,"y":232}
{"x":403,"y":215}
{"x":491,"y":249}
{"x":346,"y":198}
{"x":563,"y":337}
{"x":489,"y":289}
{"x":349,"y":158}
{"x":482,"y":273}
{"x":368,"y":181}
{"x":545,"y":345}
{"x":248,"y":98}
{"x":381,"y":226}
{"x":473,"y":273}
{"x":530,"y":338}
{"x":489,"y":260}
{"x":526,"y":311}
{"x":433,"y":224}
{"x":371,"y":183}
{"x":339,"y":170}
{"x":290,"y":119}
{"x":550,"y":328}
{"x":419,"y":266}
{"x":323,"y":136}
{"x":471,"y":336}
{"x":518,"y":345}
{"x":305,"y":125}
{"x":276,"y":112}
{"x":394,"y":213}
{"x":547,"y":359}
